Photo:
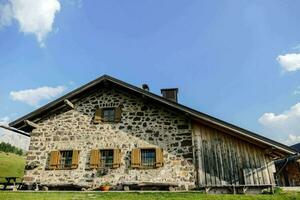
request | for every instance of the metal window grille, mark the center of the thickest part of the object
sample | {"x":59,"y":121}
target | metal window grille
{"x":66,"y":159}
{"x":109,"y":114}
{"x":148,"y":157}
{"x":106,"y":158}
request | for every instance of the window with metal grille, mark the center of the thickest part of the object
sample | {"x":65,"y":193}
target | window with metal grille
{"x":65,"y":159}
{"x":109,"y":114}
{"x":148,"y":157}
{"x":106,"y":156}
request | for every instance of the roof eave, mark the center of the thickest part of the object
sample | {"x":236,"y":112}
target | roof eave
{"x":183,"y":108}
{"x":57,"y":101}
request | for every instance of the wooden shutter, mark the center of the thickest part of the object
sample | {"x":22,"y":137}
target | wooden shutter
{"x":159,"y":157}
{"x":135,"y":158}
{"x":54,"y":159}
{"x":116,"y":158}
{"x":98,"y":115}
{"x":75,"y":159}
{"x":118,"y":114}
{"x":95,"y":159}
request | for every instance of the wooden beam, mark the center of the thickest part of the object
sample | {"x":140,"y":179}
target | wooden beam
{"x":274,"y":157}
{"x":15,"y":130}
{"x":32,"y":124}
{"x":69,"y":103}
{"x":269,"y":150}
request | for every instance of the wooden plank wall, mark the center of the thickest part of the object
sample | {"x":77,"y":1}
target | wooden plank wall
{"x":224,"y":160}
{"x":290,"y":174}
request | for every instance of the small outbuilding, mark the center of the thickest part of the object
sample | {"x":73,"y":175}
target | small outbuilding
{"x":288,"y":169}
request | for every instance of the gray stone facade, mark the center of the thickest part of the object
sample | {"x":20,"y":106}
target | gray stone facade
{"x":143,"y":124}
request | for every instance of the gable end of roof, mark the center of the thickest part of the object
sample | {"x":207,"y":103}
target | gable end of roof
{"x":19,"y":123}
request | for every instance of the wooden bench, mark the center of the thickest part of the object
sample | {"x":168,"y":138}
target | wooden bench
{"x":148,"y":186}
{"x":11,"y":181}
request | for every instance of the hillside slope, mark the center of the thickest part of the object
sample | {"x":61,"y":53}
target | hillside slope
{"x":11,"y":164}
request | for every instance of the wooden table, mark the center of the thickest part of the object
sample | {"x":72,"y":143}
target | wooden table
{"x":10,"y":180}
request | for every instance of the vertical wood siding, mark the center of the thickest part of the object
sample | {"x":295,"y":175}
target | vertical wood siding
{"x":223,"y":160}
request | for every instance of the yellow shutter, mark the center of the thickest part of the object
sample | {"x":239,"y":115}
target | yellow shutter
{"x":118,"y":114}
{"x":75,"y":159}
{"x":135,"y":158}
{"x":116,"y":158}
{"x":159,"y":157}
{"x":94,"y":159}
{"x":98,"y":115}
{"x":54,"y":159}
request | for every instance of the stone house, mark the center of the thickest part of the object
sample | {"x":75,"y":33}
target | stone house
{"x":111,"y":131}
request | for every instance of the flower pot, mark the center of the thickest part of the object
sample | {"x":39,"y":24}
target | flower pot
{"x":104,"y":188}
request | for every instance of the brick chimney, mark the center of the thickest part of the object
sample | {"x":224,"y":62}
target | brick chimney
{"x":170,"y":94}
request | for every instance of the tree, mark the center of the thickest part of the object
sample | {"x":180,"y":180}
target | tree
{"x":6,"y":147}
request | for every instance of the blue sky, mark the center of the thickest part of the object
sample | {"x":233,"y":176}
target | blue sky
{"x":236,"y":60}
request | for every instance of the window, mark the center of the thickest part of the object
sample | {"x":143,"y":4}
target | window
{"x":109,"y":114}
{"x":65,"y":159}
{"x":106,"y":158}
{"x":148,"y":157}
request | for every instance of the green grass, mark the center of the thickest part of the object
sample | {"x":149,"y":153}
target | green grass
{"x":11,"y":165}
{"x":139,"y":196}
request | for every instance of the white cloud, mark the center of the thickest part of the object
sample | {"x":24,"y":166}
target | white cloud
{"x":297,"y":91}
{"x":285,"y":126}
{"x":4,"y":120}
{"x":34,"y":16}
{"x":293,"y":139}
{"x":12,"y":137}
{"x":289,"y":62}
{"x":34,"y":96}
{"x":5,"y":15}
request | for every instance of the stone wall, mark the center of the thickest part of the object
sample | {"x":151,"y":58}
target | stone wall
{"x":143,"y":124}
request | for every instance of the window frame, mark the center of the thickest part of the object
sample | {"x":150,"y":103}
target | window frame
{"x":106,"y":165}
{"x":63,"y":157}
{"x":111,"y":118}
{"x":144,"y":165}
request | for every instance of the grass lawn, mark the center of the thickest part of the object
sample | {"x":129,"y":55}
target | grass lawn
{"x":11,"y":164}
{"x":139,"y":196}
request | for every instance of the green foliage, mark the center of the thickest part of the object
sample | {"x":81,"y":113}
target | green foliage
{"x":278,"y":190}
{"x":6,"y":147}
{"x":106,"y":184}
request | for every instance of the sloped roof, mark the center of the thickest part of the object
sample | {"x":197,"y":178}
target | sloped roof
{"x":59,"y":103}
